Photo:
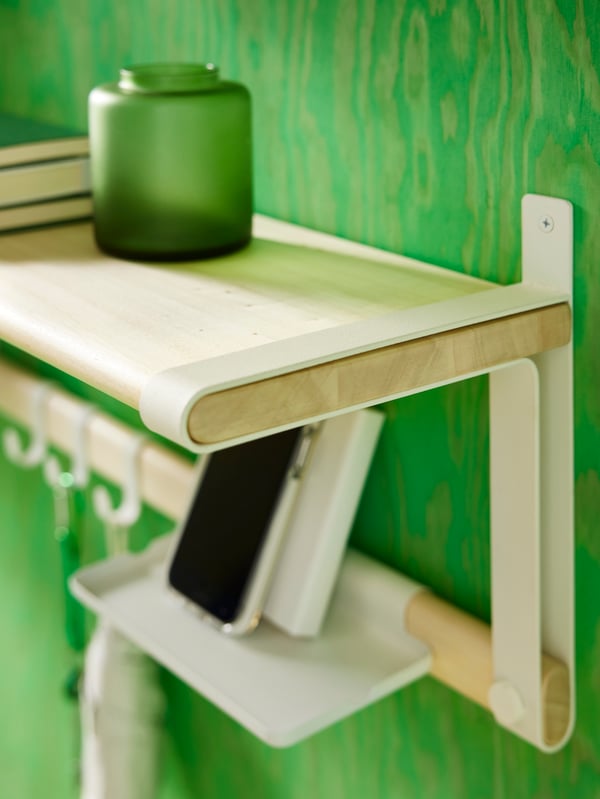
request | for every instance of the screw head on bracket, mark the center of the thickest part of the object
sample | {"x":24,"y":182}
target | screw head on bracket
{"x":546,"y":223}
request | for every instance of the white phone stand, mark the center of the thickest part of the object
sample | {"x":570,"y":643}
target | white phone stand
{"x":318,"y":529}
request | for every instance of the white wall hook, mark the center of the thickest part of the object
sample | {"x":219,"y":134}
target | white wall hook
{"x":34,"y":454}
{"x":79,"y":468}
{"x":128,"y":512}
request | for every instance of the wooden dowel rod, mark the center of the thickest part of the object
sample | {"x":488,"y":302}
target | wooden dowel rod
{"x":166,"y":478}
{"x":461,"y":648}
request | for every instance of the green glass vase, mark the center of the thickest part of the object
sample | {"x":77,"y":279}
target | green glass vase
{"x":171,"y":163}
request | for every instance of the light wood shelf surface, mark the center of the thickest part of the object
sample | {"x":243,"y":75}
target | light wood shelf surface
{"x":116,"y":324}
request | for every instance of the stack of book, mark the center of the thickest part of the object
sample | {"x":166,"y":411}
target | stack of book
{"x":44,"y":174}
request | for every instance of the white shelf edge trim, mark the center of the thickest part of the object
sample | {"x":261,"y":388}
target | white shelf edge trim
{"x":168,"y":396}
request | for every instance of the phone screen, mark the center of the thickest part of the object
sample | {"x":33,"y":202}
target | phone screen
{"x":229,"y":520}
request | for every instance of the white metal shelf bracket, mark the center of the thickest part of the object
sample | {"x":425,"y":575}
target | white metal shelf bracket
{"x":531,"y":476}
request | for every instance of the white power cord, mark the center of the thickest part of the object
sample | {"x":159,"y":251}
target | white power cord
{"x":122,"y":711}
{"x":122,"y":704}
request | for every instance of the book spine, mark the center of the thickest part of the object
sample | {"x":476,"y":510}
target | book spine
{"x":27,"y":184}
{"x":45,"y":213}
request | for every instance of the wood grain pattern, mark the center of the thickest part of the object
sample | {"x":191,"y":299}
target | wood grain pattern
{"x":415,"y":126}
{"x":114,"y":323}
{"x":461,"y":648}
{"x":365,"y":378}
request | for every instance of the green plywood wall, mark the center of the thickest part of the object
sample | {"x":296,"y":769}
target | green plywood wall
{"x":415,"y":126}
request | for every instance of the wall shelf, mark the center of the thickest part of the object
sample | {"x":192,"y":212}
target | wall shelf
{"x":302,"y":326}
{"x":207,"y":350}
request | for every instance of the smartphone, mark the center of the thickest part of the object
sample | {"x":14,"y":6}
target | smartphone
{"x":228,"y":544}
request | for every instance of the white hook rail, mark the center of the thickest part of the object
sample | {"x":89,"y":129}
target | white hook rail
{"x":165,"y":476}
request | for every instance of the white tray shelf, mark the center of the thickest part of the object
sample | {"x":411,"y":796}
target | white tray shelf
{"x":281,"y":688}
{"x":297,"y":326}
